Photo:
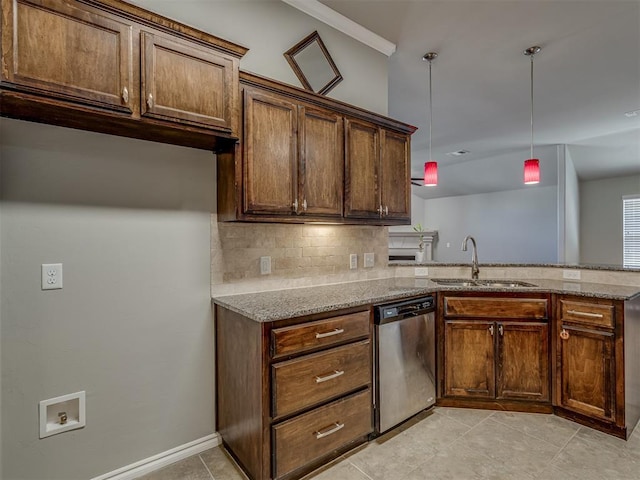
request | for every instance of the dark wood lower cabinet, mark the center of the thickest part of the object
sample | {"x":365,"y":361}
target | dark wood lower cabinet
{"x":295,"y":393}
{"x":316,"y":434}
{"x":523,"y":361}
{"x":495,"y":350}
{"x":596,"y":343}
{"x":469,"y":359}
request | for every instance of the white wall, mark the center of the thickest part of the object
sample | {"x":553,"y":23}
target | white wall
{"x":130,"y":221}
{"x":271,"y":27}
{"x":569,"y":209}
{"x":601,"y":218}
{"x":520,"y":229}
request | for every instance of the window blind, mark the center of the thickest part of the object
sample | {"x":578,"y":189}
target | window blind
{"x":631,"y":231}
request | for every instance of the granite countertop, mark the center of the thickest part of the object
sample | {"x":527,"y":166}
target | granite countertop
{"x":280,"y":304}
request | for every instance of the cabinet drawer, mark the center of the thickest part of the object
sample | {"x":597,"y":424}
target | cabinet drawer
{"x":311,"y":379}
{"x":590,"y":313}
{"x":495,"y":307}
{"x":307,"y":437}
{"x":308,"y":336}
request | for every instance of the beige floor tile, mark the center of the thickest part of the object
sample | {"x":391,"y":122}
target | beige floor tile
{"x":221,"y":466}
{"x":460,"y":462}
{"x":507,"y":446}
{"x":436,"y":433}
{"x":469,"y":416}
{"x":392,"y":459}
{"x":345,"y":470}
{"x":190,"y":468}
{"x":547,"y":427}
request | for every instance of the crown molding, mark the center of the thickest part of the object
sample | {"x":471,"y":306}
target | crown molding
{"x":338,"y":21}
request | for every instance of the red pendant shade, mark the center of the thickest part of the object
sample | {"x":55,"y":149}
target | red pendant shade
{"x":430,"y":174}
{"x":531,"y":171}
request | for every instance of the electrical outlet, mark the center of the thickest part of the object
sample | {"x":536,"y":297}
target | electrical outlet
{"x":353,"y":261}
{"x":571,"y":274}
{"x":421,"y":272}
{"x":369,"y":260}
{"x":265,"y":265}
{"x":51,"y":276}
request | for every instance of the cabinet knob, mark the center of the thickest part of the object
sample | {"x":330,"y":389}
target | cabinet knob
{"x":501,"y":330}
{"x":386,"y":210}
{"x":564,"y":335}
{"x":150,"y":101}
{"x":491,"y":330}
{"x":125,"y":95}
{"x":295,"y":205}
{"x":379,"y":210}
{"x":304,"y":204}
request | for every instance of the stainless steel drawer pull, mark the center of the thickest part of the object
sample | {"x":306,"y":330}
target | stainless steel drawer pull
{"x":585,"y":314}
{"x":333,"y":429}
{"x":337,"y":331}
{"x":335,"y":374}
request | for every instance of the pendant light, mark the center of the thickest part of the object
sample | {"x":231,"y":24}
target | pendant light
{"x":430,"y":167}
{"x":532,"y":165}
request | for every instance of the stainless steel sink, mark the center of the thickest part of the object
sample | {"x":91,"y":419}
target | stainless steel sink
{"x":457,"y":282}
{"x":453,"y":282}
{"x":504,"y":283}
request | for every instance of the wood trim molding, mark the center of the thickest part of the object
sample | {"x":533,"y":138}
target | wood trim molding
{"x":343,"y":24}
{"x":306,"y":96}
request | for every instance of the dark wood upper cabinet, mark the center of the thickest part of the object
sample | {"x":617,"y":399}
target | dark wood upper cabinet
{"x":269,"y":154}
{"x":318,"y":160}
{"x":321,"y":164}
{"x":395,"y":168}
{"x":186,"y":83}
{"x":362,"y":167}
{"x":60,"y":49}
{"x":378,"y":170}
{"x":111,"y":67}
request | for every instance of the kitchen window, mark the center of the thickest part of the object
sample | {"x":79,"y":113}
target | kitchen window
{"x":631,"y":231}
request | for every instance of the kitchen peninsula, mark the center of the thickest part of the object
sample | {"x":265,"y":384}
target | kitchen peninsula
{"x":576,"y":324}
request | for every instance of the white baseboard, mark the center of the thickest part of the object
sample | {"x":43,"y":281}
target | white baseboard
{"x":163,"y":459}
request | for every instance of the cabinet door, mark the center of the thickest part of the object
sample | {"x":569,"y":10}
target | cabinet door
{"x":469,"y":359}
{"x":270,"y":154}
{"x":523,"y":361}
{"x":69,"y":51}
{"x":321,"y":162}
{"x":587,"y":371}
{"x":187,"y":83}
{"x":395,"y":176}
{"x":362,"y":159}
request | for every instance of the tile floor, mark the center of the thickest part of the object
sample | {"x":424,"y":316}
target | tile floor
{"x":461,"y":444}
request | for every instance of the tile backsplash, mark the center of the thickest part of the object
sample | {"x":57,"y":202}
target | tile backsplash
{"x":296,"y":251}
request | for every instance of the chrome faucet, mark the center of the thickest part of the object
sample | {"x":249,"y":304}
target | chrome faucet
{"x":475,"y":270}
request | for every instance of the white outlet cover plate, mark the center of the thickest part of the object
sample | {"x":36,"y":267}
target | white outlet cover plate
{"x":265,"y":265}
{"x":421,"y":272}
{"x":51,"y":276}
{"x":353,"y":261}
{"x":369,"y":260}
{"x":571,"y":274}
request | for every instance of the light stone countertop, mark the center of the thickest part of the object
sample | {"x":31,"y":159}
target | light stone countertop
{"x":290,"y":303}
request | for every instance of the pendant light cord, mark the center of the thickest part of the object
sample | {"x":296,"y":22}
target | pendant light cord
{"x":531,"y":106}
{"x":430,"y":111}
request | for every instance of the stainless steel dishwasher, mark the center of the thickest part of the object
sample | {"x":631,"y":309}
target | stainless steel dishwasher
{"x":404,"y":360}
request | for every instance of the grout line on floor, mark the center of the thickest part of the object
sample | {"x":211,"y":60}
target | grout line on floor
{"x":207,"y":468}
{"x":360,"y":470}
